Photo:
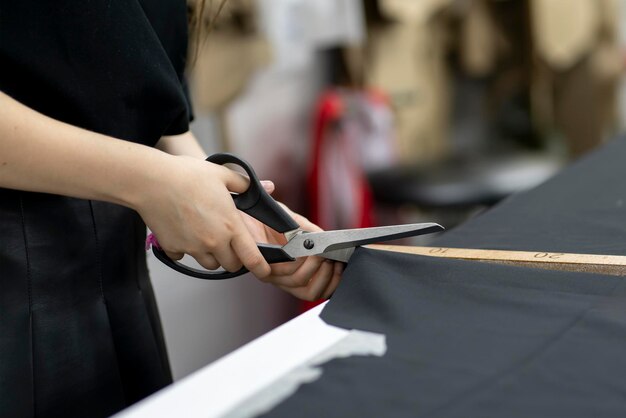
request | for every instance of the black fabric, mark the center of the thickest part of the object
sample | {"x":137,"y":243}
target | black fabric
{"x":468,"y":339}
{"x":80,"y":333}
{"x":472,"y":340}
{"x":580,"y":210}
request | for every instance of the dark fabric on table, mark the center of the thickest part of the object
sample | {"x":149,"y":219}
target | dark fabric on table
{"x":80,"y":334}
{"x":473,"y":340}
{"x":468,"y":339}
{"x":580,"y":210}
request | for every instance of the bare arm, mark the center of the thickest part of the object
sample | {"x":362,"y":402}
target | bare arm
{"x":186,"y":202}
{"x":41,"y":154}
{"x":184,"y":144}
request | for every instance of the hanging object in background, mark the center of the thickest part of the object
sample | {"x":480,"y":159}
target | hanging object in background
{"x":230,"y":52}
{"x":352,"y":134}
{"x":297,"y":28}
{"x":576,"y":69}
{"x":406,"y":57}
{"x":269,"y":122}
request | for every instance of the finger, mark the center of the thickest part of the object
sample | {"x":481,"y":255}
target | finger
{"x":301,"y":220}
{"x":268,"y":186}
{"x":304,"y":223}
{"x":248,"y":253}
{"x":320,"y":281}
{"x":207,"y":261}
{"x":334,"y":281}
{"x":174,"y":255}
{"x":234,"y":181}
{"x":288,"y":268}
{"x":297,"y":292}
{"x":302,"y":276}
{"x":227,"y":258}
{"x":316,"y":285}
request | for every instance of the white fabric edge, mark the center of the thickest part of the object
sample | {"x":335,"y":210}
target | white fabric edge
{"x":219,"y":387}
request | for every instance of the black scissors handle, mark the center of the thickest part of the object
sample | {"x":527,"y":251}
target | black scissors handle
{"x":256,"y":202}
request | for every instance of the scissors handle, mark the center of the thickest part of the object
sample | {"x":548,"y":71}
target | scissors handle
{"x":256,"y":202}
{"x":271,"y":253}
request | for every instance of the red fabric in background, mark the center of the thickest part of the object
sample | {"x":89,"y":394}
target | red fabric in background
{"x":338,"y":191}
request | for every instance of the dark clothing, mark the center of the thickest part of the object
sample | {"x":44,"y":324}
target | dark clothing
{"x":114,"y":67}
{"x":79,"y":329}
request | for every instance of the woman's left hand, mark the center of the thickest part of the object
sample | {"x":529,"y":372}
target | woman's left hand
{"x":308,"y":278}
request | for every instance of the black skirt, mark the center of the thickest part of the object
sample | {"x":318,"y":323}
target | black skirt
{"x":79,"y":330}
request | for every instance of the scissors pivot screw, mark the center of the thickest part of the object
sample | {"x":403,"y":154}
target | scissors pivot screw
{"x":308,"y":244}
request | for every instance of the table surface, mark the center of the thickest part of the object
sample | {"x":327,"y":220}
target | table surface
{"x":219,"y":387}
{"x":581,"y":210}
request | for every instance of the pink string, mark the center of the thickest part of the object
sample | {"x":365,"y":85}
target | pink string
{"x":150,"y":241}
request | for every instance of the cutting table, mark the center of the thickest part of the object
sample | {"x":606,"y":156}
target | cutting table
{"x":580,"y":211}
{"x":221,"y":387}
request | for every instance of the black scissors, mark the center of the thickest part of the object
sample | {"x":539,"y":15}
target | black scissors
{"x":335,"y":245}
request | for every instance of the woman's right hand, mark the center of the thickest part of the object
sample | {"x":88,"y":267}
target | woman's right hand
{"x":192,"y":212}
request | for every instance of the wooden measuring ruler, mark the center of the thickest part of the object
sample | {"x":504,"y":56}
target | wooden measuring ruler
{"x":614,"y":265}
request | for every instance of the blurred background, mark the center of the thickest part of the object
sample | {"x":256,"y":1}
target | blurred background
{"x":373,"y":112}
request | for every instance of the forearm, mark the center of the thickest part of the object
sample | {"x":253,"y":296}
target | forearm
{"x":40,"y":154}
{"x":186,"y":202}
{"x":184,"y":144}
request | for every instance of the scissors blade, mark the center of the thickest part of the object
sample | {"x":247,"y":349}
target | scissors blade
{"x":339,"y":245}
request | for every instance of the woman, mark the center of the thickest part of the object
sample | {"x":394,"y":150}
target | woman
{"x":95,"y":141}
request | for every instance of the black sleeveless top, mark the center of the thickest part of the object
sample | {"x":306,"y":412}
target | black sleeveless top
{"x":79,"y":329}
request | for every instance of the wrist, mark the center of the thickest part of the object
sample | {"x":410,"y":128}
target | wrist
{"x":147,"y":179}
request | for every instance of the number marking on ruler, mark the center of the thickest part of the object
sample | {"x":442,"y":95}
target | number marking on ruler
{"x":591,"y":263}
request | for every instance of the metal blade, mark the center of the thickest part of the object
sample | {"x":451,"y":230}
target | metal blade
{"x":328,"y":243}
{"x":339,"y":255}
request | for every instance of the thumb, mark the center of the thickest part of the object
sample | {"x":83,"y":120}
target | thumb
{"x":234,"y":181}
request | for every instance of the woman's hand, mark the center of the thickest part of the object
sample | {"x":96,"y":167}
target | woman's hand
{"x":309,"y":278}
{"x":185,"y":201}
{"x":191,"y":211}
